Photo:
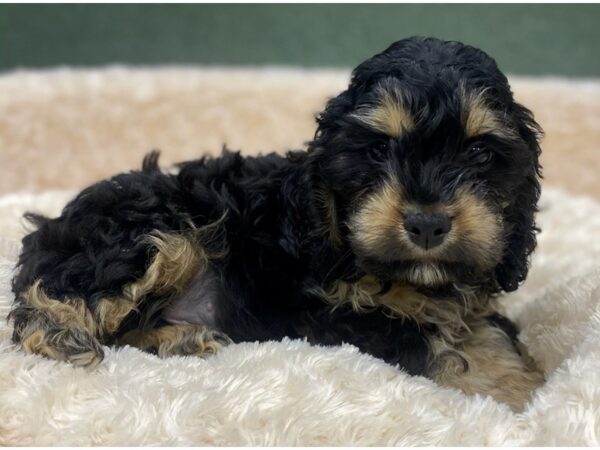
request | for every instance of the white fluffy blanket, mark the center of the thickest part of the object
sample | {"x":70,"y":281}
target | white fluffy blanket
{"x":289,"y":393}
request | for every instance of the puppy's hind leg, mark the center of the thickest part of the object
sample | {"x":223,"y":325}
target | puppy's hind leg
{"x":169,"y":340}
{"x":190,"y":325}
{"x":62,"y":330}
{"x":71,"y":329}
{"x":111,"y":261}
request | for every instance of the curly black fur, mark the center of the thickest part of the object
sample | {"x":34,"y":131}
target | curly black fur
{"x":275,"y":249}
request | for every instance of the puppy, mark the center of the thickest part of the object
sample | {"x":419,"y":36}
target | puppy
{"x":412,"y":208}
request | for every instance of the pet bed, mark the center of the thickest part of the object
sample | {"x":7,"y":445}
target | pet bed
{"x":275,"y":393}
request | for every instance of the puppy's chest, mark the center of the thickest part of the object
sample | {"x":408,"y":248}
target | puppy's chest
{"x":199,"y":302}
{"x":447,"y":308}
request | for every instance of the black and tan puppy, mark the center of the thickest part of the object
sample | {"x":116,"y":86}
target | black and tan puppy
{"x":412,"y":208}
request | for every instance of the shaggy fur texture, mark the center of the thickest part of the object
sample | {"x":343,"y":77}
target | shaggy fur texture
{"x":291,"y":393}
{"x":417,"y":196}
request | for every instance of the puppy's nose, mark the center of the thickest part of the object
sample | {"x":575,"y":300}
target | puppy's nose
{"x":427,"y":230}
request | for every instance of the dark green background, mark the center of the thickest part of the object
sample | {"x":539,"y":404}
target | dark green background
{"x":525,"y":39}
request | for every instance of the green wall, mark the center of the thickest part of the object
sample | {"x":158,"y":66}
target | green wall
{"x":536,"y":39}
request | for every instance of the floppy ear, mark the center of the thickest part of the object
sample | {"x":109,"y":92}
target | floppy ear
{"x":520,"y":213}
{"x":321,"y":150}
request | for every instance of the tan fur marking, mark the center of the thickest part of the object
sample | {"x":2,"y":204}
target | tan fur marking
{"x":360,"y":295}
{"x":477,"y":226}
{"x":380,"y":214}
{"x":69,"y":320}
{"x":467,"y":352}
{"x":177,"y":340}
{"x":68,"y":313}
{"x":493,"y":367}
{"x":405,"y":302}
{"x":478,"y":118}
{"x":110,"y":313}
{"x":426,"y":274}
{"x":177,"y":260}
{"x":377,"y":229}
{"x":327,"y":201}
{"x":33,"y":343}
{"x":390,"y":115}
{"x":85,"y":359}
{"x":43,"y":336}
{"x":66,"y":330}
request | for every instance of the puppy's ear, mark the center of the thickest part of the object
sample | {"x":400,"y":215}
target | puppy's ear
{"x":520,"y":213}
{"x":323,"y":163}
{"x":329,"y":137}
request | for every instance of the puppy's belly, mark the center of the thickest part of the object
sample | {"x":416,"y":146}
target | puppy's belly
{"x":197,"y":304}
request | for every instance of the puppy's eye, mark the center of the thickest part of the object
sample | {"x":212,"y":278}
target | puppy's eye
{"x":479,"y":154}
{"x":379,"y":151}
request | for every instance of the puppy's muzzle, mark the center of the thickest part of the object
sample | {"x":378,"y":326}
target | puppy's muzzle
{"x":427,"y":230}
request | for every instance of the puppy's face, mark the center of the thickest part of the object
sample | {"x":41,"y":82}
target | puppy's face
{"x":430,"y":169}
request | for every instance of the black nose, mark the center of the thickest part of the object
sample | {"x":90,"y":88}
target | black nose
{"x":427,"y":230}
